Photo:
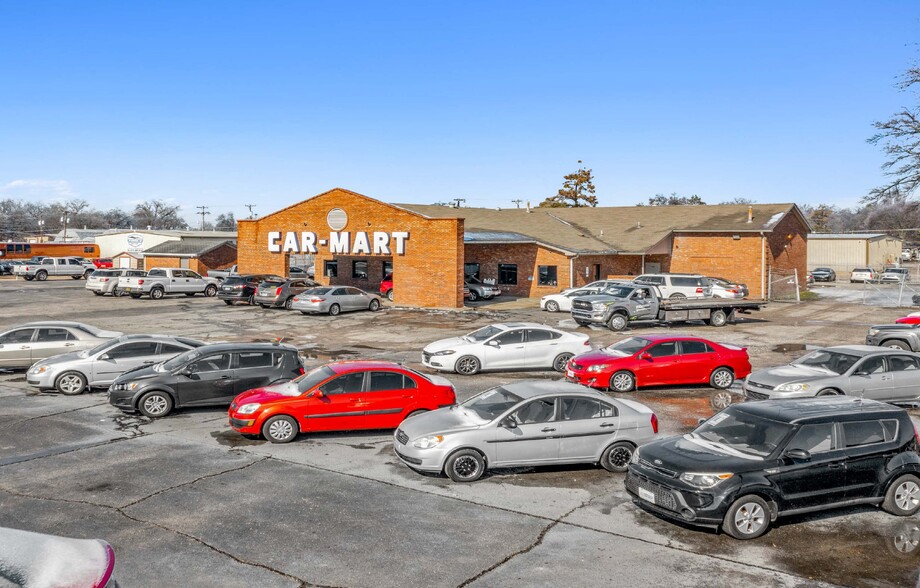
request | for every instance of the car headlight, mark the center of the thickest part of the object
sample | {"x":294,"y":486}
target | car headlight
{"x":704,"y":480}
{"x":598,"y":306}
{"x":39,"y":369}
{"x":427,"y":442}
{"x":635,"y":457}
{"x":873,"y":332}
{"x":792,"y":387}
{"x":445,"y":352}
{"x":248,"y":408}
{"x":595,"y":368}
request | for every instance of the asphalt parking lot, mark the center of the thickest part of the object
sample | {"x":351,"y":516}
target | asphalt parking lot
{"x":185,"y":501}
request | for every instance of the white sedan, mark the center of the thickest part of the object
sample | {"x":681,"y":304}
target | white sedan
{"x":506,"y":346}
{"x":562,"y":302}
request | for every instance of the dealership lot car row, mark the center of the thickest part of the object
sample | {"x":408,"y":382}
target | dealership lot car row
{"x":738,"y":471}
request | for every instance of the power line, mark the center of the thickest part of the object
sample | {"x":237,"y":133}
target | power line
{"x":457,"y":201}
{"x":204,"y":211}
{"x":250,"y":207}
{"x":517,"y":202}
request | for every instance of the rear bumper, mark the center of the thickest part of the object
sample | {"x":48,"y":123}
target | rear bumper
{"x":235,"y":296}
{"x":268,"y":300}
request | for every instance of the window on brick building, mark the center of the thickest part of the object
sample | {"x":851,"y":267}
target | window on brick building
{"x":331,"y":268}
{"x":546,"y":275}
{"x":359,"y":270}
{"x":507,"y":273}
{"x":471,"y":270}
{"x":387,"y":268}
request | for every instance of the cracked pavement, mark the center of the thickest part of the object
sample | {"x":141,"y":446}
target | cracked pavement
{"x":185,"y":501}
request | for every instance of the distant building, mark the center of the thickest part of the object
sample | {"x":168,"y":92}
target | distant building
{"x":198,"y":255}
{"x":83,"y":235}
{"x":844,"y":251}
{"x":115,"y":241}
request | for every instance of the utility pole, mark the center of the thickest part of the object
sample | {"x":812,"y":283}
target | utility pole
{"x":204,"y":211}
{"x":457,"y":201}
{"x":250,"y":207}
{"x":517,"y":203}
{"x":65,"y":218}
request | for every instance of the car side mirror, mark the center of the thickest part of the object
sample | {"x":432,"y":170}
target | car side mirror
{"x":797,"y":454}
{"x":188,"y":370}
{"x":645,"y":355}
{"x":493,"y":343}
{"x":509,"y":423}
{"x":105,"y":356}
{"x":317,"y":393}
{"x":860,"y":373}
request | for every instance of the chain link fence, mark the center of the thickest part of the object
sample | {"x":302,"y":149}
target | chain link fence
{"x":783,"y":285}
{"x":892,"y":292}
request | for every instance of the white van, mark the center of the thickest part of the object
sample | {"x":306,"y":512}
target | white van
{"x":675,"y":286}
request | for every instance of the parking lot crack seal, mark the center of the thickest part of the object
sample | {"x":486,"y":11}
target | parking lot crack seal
{"x":44,"y":416}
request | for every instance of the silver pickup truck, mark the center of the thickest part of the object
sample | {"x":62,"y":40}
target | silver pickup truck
{"x":54,"y":266}
{"x":161,"y":281}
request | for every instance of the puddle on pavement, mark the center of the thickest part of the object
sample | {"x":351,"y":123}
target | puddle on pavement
{"x":582,"y":476}
{"x":787,"y":347}
{"x":234,"y":439}
{"x":687,"y":411}
{"x":332,"y":355}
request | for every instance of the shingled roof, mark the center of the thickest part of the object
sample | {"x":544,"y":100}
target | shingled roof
{"x":187,"y":247}
{"x":612,"y":229}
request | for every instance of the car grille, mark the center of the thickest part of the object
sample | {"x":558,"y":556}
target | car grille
{"x":581,"y":305}
{"x":659,"y":469}
{"x":663,"y":497}
{"x":426,"y":357}
{"x":756,"y":395}
{"x":402,"y":437}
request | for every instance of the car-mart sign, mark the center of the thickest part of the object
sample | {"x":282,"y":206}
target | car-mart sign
{"x":376,"y":243}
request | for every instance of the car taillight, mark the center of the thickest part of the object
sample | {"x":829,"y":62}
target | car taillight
{"x":296,"y":299}
{"x":317,"y":299}
{"x":300,"y":370}
{"x":699,"y":290}
{"x":733,"y":291}
{"x":588,"y":342}
{"x":654,"y":423}
{"x":103,"y":279}
{"x":278,"y":291}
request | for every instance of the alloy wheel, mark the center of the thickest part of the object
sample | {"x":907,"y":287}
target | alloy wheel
{"x":907,"y":495}
{"x":281,"y":429}
{"x":749,"y":519}
{"x":619,"y":457}
{"x":155,"y":404}
{"x":466,"y":466}
{"x":71,"y":384}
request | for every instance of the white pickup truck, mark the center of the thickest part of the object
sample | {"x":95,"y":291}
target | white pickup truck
{"x":161,"y":281}
{"x":224,"y":273}
{"x":54,"y":266}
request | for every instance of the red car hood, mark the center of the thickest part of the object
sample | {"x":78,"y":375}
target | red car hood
{"x":268,"y":394}
{"x":598,"y":356}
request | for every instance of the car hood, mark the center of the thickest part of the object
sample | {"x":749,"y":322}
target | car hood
{"x":268,"y":394}
{"x":896,"y":327}
{"x":57,"y":360}
{"x":599,"y":356}
{"x":142,"y":373}
{"x":683,"y":453}
{"x":599,"y":298}
{"x":790,"y":373}
{"x":452,"y":419}
{"x":441,"y":345}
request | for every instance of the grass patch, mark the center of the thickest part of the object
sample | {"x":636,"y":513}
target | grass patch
{"x":806,"y":295}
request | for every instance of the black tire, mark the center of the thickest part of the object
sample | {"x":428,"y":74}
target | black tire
{"x":896,"y":345}
{"x":416,"y":413}
{"x":582,"y":323}
{"x":189,"y":294}
{"x":748,"y":518}
{"x":618,"y":322}
{"x":828,"y":392}
{"x":75,"y":277}
{"x":721,"y":378}
{"x":211,"y":290}
{"x":304,"y":312}
{"x":466,"y":465}
{"x":616,"y":458}
{"x":467,"y":365}
{"x":155,"y":404}
{"x":87,"y":274}
{"x":374,"y":306}
{"x":334,"y":310}
{"x":280,"y":429}
{"x":97,"y":293}
{"x":28,"y":278}
{"x":903,"y":496}
{"x":677,"y":296}
{"x":135,"y":296}
{"x":70,"y":383}
{"x":287,"y":303}
{"x":390,"y":295}
{"x":41,"y":275}
{"x":622,"y":381}
{"x":718,"y":318}
{"x":157,"y":293}
{"x":561,"y":360}
{"x":473,"y":296}
{"x":228,"y":302}
{"x":552,"y":306}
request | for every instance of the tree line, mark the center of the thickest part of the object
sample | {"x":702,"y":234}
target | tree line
{"x":20,"y":220}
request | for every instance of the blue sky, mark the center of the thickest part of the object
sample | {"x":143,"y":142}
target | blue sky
{"x":230,"y":103}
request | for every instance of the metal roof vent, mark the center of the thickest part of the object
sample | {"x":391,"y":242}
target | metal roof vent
{"x":337,"y":219}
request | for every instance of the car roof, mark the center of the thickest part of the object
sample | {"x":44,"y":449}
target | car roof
{"x":341,"y":367}
{"x":521,"y":325}
{"x":160,"y":338}
{"x":534,"y":388}
{"x":793,"y":410}
{"x":862,"y":350}
{"x":245,"y":347}
{"x":655,"y":338}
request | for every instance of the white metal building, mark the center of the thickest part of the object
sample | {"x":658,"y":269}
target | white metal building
{"x":117,"y":241}
{"x":844,"y":251}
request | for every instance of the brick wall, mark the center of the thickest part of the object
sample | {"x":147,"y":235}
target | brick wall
{"x":152,"y":261}
{"x":528,"y":257}
{"x":787,"y":246}
{"x":610,"y":265}
{"x":222,"y":257}
{"x":429,"y":274}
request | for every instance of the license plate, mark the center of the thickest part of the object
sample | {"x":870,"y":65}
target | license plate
{"x":126,"y":289}
{"x":647,"y":495}
{"x":569,"y":374}
{"x":226,"y":289}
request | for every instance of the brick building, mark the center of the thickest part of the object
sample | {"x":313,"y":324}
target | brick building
{"x":356,"y":240}
{"x":198,"y":255}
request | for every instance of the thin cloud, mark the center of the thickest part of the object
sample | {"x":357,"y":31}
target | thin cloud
{"x":38,"y":189}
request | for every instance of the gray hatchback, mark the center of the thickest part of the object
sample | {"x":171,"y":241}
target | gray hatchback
{"x":526,"y":424}
{"x":281,"y":293}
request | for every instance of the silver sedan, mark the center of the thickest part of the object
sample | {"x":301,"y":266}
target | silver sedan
{"x":526,"y":424}
{"x":879,"y":373}
{"x":22,"y":346}
{"x":72,"y":373}
{"x":333,"y":300}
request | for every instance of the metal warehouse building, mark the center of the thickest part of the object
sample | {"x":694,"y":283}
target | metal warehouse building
{"x":356,"y":240}
{"x":844,"y":251}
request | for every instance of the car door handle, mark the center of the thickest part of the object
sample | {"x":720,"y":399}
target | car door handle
{"x":69,"y":344}
{"x":547,"y":430}
{"x":24,"y":347}
{"x":836,"y":465}
{"x":608,"y":425}
{"x":225,"y":377}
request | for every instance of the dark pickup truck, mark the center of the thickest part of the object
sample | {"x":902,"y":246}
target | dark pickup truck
{"x":625,"y":302}
{"x":905,"y":337}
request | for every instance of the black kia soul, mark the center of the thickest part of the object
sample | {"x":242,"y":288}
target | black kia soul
{"x":207,"y":376}
{"x":753,"y":462}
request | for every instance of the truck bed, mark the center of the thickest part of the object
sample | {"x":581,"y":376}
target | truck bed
{"x":698,"y":303}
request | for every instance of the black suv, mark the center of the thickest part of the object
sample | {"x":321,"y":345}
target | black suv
{"x":207,"y":376}
{"x":753,"y":462}
{"x":243,"y":288}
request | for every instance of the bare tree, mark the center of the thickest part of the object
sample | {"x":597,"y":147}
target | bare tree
{"x":673,"y":200}
{"x":899,"y":137}
{"x":577,"y":190}
{"x":225,"y":222}
{"x":157,"y":214}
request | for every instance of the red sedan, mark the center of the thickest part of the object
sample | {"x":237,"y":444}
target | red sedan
{"x":659,"y":360}
{"x":340,"y":396}
{"x":911,"y":319}
{"x":103,"y":263}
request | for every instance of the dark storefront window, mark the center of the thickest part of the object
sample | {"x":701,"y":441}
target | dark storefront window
{"x":359,"y":270}
{"x":331,"y":269}
{"x":471,"y":270}
{"x":387,"y":268}
{"x":547,"y":275}
{"x":507,"y":274}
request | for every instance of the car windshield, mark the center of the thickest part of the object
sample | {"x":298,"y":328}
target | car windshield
{"x":271,"y":284}
{"x":619,"y":291}
{"x":742,"y":434}
{"x":483,"y":333}
{"x":179,"y":360}
{"x":234,"y":280}
{"x":491,"y":403}
{"x":718,"y":282}
{"x":99,"y":348}
{"x":627,"y":346}
{"x":827,"y":360}
{"x":312,"y":379}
